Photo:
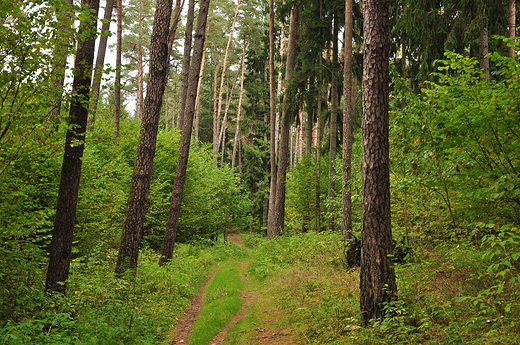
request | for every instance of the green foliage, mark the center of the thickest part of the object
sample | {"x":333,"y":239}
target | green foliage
{"x":456,"y":150}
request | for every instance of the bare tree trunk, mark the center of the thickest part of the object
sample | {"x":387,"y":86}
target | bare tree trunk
{"x":333,"y":125}
{"x":239,"y":107}
{"x":140,"y":185}
{"x":377,"y":281}
{"x":175,"y":24}
{"x":512,"y":25}
{"x":273,"y":124}
{"x":188,"y":37}
{"x":117,"y":82}
{"x":223,"y":125}
{"x":290,"y":109}
{"x":166,"y":108}
{"x":216,"y":134}
{"x":184,"y":150}
{"x":100,"y":62}
{"x":483,"y":51}
{"x":348,"y":112}
{"x":63,"y":230}
{"x":197,"y":100}
{"x":140,"y":67}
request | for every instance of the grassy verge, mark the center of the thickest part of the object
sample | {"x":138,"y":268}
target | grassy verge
{"x":221,"y":303}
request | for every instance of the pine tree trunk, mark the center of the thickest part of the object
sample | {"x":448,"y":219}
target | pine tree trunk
{"x":184,"y":149}
{"x":117,"y":82}
{"x":188,"y":37}
{"x":100,"y":62}
{"x":290,"y":111}
{"x":348,"y":112}
{"x":239,"y":106}
{"x":216,"y":135}
{"x":512,"y":25}
{"x":140,"y":67}
{"x":377,"y":281}
{"x":273,"y":125}
{"x":140,"y":184}
{"x":63,"y":230}
{"x":197,"y":100}
{"x":333,"y":125}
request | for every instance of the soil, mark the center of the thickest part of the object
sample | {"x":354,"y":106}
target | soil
{"x":265,"y":333}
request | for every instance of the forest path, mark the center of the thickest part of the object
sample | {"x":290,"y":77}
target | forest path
{"x":255,"y":323}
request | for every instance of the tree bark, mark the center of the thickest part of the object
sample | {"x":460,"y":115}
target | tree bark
{"x":184,"y":149}
{"x":289,"y":111}
{"x":140,"y":64}
{"x":117,"y":82}
{"x":100,"y":61}
{"x":377,"y":281}
{"x":239,"y":106}
{"x":333,"y":124}
{"x":140,"y":184}
{"x":188,"y":37}
{"x":512,"y":25}
{"x":348,"y":112}
{"x":216,"y":131}
{"x":483,"y":41}
{"x":273,"y":125}
{"x":63,"y":230}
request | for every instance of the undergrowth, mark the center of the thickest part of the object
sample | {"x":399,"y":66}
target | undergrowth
{"x":451,"y":294}
{"x":102,"y":309}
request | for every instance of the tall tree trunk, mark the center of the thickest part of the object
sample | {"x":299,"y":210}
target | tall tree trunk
{"x":483,"y":41}
{"x":100,"y":61}
{"x":117,"y":82}
{"x":377,"y":281}
{"x":63,"y":230}
{"x":216,"y":132}
{"x":188,"y":37}
{"x":140,"y":184}
{"x":223,"y":125}
{"x":197,"y":100}
{"x":348,"y":112}
{"x":289,"y":111}
{"x":184,"y":149}
{"x":60,"y":54}
{"x":175,"y":24}
{"x":140,"y":64}
{"x":273,"y":125}
{"x":512,"y":25}
{"x":333,"y":124}
{"x":239,"y":106}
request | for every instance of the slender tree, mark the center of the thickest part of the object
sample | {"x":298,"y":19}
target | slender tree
{"x":63,"y":230}
{"x":348,"y":112}
{"x":140,"y":184}
{"x":289,"y":108}
{"x":512,"y":25}
{"x":188,"y":38}
{"x":239,"y":106}
{"x":100,"y":59}
{"x":377,"y":282}
{"x":117,"y":81}
{"x":184,"y":149}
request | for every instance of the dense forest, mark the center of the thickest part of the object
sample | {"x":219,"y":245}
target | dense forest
{"x":367,"y":152}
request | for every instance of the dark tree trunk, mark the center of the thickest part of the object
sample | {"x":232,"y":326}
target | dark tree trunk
{"x":100,"y":61}
{"x":290,"y":110}
{"x":483,"y":41}
{"x":63,"y":231}
{"x":348,"y":112}
{"x":140,"y":185}
{"x":184,"y":150}
{"x":186,"y":62}
{"x":377,"y":284}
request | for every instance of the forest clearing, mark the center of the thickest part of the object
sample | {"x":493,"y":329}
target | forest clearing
{"x":259,"y":172}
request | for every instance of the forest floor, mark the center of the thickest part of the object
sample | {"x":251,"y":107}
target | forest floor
{"x":259,"y":320}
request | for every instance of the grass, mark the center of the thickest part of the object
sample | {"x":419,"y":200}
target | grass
{"x":223,"y":300}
